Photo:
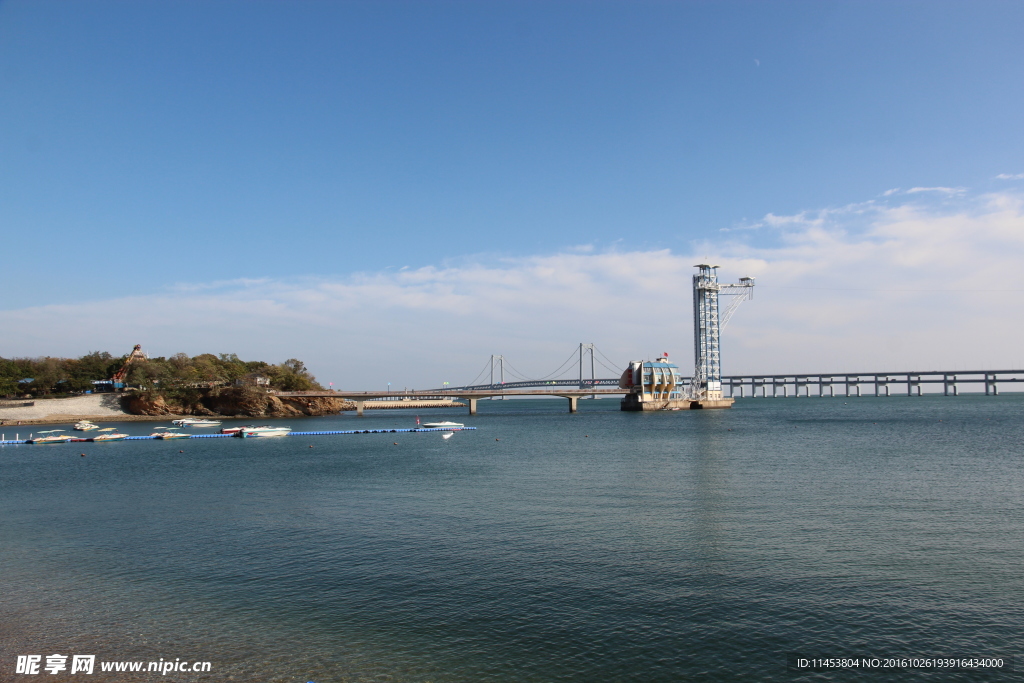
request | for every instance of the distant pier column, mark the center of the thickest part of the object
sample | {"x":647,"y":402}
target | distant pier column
{"x":573,"y":403}
{"x":472,"y":406}
{"x":359,"y":407}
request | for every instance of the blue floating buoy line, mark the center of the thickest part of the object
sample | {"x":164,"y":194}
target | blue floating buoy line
{"x":226,"y":436}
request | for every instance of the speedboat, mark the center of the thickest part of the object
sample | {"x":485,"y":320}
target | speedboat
{"x":235,"y":430}
{"x":168,"y":433}
{"x":443,"y":425}
{"x":195,"y":422}
{"x":247,"y":432}
{"x":52,"y":437}
{"x":111,"y":435}
{"x":85,"y":426}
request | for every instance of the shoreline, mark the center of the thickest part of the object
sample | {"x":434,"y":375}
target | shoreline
{"x":62,"y":418}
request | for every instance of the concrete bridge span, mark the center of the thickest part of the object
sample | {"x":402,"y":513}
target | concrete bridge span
{"x":767,"y":386}
{"x":470,"y":395}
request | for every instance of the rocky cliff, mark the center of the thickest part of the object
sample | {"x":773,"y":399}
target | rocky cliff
{"x":237,"y":401}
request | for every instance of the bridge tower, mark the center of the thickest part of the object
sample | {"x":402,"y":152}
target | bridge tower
{"x":584,"y":350}
{"x":706,"y":383}
{"x":500,"y":362}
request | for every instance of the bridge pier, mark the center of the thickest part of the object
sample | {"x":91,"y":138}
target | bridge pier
{"x":472,"y":406}
{"x":359,"y":408}
{"x":573,"y":403}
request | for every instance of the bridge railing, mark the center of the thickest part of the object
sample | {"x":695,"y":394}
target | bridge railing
{"x":575,"y":383}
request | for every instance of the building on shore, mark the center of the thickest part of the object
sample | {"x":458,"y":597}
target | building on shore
{"x":657,"y":385}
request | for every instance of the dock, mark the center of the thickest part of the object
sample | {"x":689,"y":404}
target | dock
{"x":12,"y":442}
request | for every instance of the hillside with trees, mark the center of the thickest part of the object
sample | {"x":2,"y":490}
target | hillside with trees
{"x":47,"y":376}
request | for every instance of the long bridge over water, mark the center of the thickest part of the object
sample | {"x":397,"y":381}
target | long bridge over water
{"x":759,"y":386}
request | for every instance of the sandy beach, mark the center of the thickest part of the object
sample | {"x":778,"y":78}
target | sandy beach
{"x":92,"y":405}
{"x":107,"y":408}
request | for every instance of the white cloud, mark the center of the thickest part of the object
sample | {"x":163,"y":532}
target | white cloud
{"x":1010,"y":176}
{"x":856,"y":288}
{"x":918,"y":190}
{"x":940,"y":190}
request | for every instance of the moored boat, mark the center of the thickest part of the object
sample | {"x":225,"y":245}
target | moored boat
{"x":51,"y":437}
{"x":248,"y":432}
{"x":111,"y":435}
{"x":195,"y":422}
{"x":85,"y":426}
{"x":443,"y":425}
{"x":169,"y":433}
{"x":235,"y":430}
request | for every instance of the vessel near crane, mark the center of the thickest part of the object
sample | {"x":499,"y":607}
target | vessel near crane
{"x":135,"y":356}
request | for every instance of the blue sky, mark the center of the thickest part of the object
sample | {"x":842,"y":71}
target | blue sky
{"x":151,"y":149}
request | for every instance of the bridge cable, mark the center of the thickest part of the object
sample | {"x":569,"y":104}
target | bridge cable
{"x":516,"y":373}
{"x":572,"y":358}
{"x":612,"y":370}
{"x":481,"y":374}
{"x":607,"y":359}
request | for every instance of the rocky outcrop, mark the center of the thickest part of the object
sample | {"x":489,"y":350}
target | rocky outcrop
{"x":254,"y":402}
{"x":150,"y":403}
{"x":236,"y":401}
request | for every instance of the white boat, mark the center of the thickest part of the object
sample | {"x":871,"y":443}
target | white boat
{"x":168,"y":433}
{"x":195,"y":422}
{"x":111,"y":435}
{"x":85,"y":426}
{"x":52,"y":437}
{"x":247,"y":432}
{"x":443,"y":425}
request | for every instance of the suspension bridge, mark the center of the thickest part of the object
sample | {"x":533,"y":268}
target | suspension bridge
{"x":812,"y":385}
{"x":657,"y":385}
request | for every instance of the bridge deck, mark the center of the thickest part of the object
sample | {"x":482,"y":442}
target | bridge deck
{"x":470,"y":395}
{"x":574,"y":389}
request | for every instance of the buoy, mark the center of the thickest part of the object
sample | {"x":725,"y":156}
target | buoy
{"x":181,"y":451}
{"x":83,"y":455}
{"x":396,"y":443}
{"x":311,"y":445}
{"x":497,"y":439}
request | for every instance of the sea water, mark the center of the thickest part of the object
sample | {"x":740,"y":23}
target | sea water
{"x":544,"y":546}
